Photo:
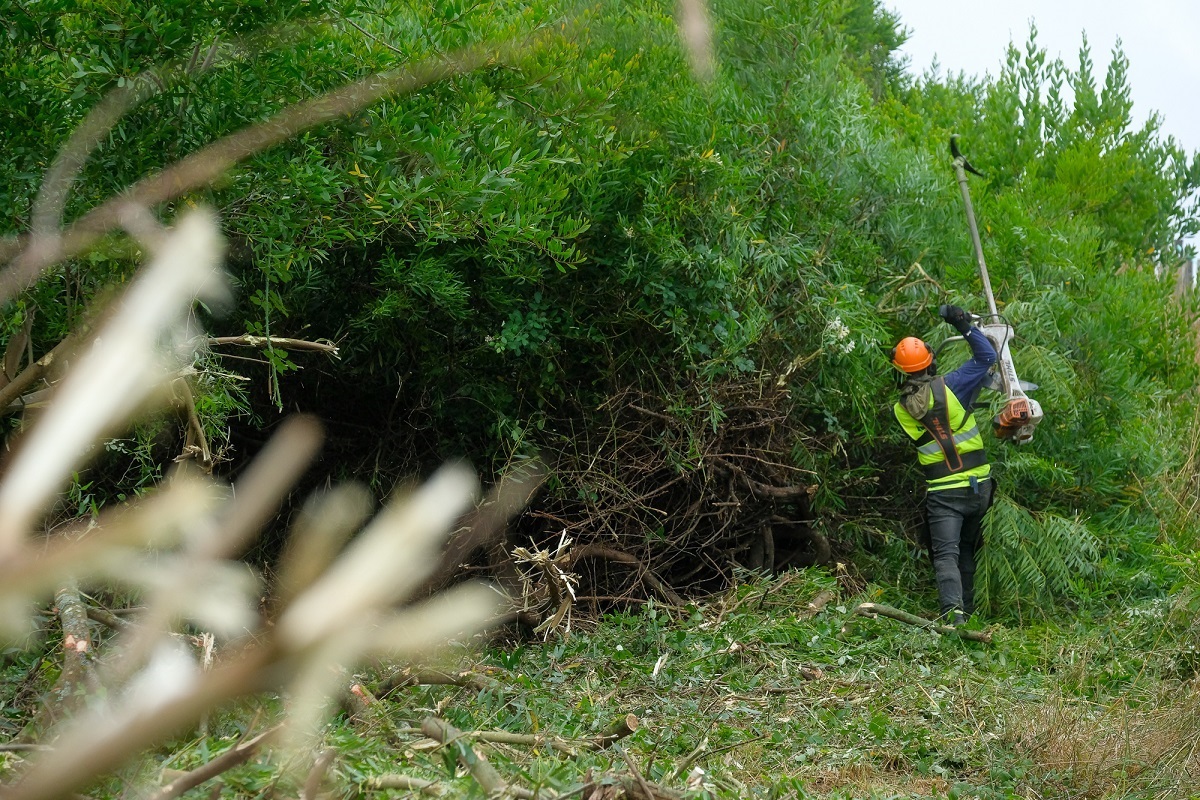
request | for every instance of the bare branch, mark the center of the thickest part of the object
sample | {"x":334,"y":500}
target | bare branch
{"x":77,"y":673}
{"x":878,"y":609}
{"x":484,"y":773}
{"x":31,"y":375}
{"x":398,"y":781}
{"x":235,"y":756}
{"x":637,"y":773}
{"x":322,"y":346}
{"x":432,"y":677}
{"x":312,"y":784}
{"x":106,"y":617}
{"x":695,"y":28}
{"x":197,"y":442}
{"x":647,"y":577}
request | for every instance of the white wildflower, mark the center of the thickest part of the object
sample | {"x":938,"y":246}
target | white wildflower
{"x":836,"y":329}
{"x":837,"y":337}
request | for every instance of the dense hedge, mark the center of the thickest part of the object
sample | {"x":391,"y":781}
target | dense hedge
{"x":502,"y":252}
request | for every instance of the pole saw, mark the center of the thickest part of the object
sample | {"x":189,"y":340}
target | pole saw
{"x":1021,"y":414}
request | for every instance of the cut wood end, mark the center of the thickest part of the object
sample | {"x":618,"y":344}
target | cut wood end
{"x":618,"y":729}
{"x":819,"y":602}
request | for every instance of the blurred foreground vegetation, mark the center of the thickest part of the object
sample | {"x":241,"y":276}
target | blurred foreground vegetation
{"x":503,"y":255}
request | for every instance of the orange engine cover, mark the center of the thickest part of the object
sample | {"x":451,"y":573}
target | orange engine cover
{"x":1012,"y":418}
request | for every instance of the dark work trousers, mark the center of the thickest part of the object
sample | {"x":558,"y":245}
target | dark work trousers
{"x":955,"y":518}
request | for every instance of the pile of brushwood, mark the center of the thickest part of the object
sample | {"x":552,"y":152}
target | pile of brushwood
{"x":651,"y":502}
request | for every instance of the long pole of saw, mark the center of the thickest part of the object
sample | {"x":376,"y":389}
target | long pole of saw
{"x":983,"y":273}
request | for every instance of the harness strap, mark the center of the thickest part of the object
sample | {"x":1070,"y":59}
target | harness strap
{"x":930,"y":447}
{"x":940,"y":436}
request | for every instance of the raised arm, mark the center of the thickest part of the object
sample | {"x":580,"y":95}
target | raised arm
{"x":967,"y":380}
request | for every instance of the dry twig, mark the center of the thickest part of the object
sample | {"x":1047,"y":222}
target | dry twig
{"x":261,"y":342}
{"x":408,"y":782}
{"x":408,"y":676}
{"x":207,"y":164}
{"x":312,"y":784}
{"x":647,"y":577}
{"x":106,"y":617}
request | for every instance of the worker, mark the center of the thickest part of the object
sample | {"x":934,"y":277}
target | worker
{"x":936,"y":413}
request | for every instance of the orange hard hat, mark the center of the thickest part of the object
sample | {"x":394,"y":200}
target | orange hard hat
{"x":911,"y":355}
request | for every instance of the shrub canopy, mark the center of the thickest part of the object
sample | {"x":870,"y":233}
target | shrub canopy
{"x":500,"y":253}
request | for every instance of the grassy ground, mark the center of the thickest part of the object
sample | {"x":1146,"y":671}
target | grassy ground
{"x":1090,"y":708}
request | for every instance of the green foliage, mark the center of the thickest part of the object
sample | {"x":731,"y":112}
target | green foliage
{"x":897,"y":712}
{"x":499,"y":253}
{"x":873,"y":35}
{"x":1028,"y":558}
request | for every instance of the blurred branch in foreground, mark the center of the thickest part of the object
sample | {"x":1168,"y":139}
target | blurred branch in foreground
{"x":30,"y":255}
{"x":178,"y":547}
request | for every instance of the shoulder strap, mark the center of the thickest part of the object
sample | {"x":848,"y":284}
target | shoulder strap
{"x":937,"y":426}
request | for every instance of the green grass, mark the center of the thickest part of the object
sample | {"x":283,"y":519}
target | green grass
{"x":1095,"y":707}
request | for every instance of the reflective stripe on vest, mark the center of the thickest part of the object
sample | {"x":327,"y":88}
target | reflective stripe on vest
{"x":959,"y":438}
{"x":959,"y":455}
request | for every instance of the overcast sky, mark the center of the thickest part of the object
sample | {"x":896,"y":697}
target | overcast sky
{"x":1161,"y":38}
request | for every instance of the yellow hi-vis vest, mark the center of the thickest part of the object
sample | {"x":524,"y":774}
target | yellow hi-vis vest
{"x":949,"y":445}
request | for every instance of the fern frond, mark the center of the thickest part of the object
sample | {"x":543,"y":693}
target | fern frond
{"x":1031,"y":558}
{"x":1026,"y":466}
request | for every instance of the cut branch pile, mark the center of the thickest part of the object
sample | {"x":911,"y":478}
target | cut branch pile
{"x":668,"y":503}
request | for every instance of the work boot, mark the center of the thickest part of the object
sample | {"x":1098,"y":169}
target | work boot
{"x":954,"y":618}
